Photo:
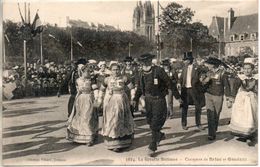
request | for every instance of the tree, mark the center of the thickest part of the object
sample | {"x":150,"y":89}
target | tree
{"x":173,"y":17}
{"x":203,"y":44}
{"x":99,"y":45}
{"x":180,"y":35}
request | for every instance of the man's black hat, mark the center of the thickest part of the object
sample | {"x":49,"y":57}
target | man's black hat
{"x":81,"y":61}
{"x":213,"y":61}
{"x":146,"y":57}
{"x":187,"y":56}
{"x":128,"y":59}
{"x":166,"y":62}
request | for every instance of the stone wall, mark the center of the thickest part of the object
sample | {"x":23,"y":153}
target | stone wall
{"x":234,"y":48}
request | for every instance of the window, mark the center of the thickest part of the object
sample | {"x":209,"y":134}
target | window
{"x":253,"y":36}
{"x":242,"y":37}
{"x":232,"y":38}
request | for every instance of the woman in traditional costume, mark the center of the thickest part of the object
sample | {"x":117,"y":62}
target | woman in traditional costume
{"x":118,"y":124}
{"x":83,"y":121}
{"x":244,"y":119}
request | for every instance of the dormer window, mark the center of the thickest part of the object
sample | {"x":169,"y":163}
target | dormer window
{"x":232,"y":37}
{"x":242,"y":36}
{"x":253,"y":36}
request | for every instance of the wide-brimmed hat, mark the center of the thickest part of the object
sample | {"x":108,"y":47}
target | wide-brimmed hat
{"x":213,"y":61}
{"x":128,"y":59}
{"x":92,"y":61}
{"x":81,"y":61}
{"x":112,"y":62}
{"x":187,"y":56}
{"x":166,"y":62}
{"x":146,"y":57}
{"x":250,"y":60}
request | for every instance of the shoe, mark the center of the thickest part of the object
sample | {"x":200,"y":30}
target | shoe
{"x":163,"y":137}
{"x":90,"y":144}
{"x":116,"y":150}
{"x":211,"y":137}
{"x":150,"y":153}
{"x":185,"y":128}
{"x":200,"y":127}
{"x":251,"y":143}
{"x":241,"y":139}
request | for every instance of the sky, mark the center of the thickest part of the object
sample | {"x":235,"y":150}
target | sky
{"x":119,"y":13}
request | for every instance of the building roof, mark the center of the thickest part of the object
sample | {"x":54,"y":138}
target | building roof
{"x":245,"y":24}
{"x":216,"y":29}
{"x":220,"y":23}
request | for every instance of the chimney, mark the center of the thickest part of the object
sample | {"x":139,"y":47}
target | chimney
{"x":225,"y":29}
{"x":231,"y":14}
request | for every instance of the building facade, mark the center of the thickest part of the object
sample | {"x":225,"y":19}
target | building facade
{"x":235,"y":33}
{"x":144,"y":20}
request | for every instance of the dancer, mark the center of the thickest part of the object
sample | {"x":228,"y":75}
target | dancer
{"x":154,"y":84}
{"x":70,"y":83}
{"x":118,"y":123}
{"x":83,"y":124}
{"x":244,"y":119}
{"x":215,"y":82}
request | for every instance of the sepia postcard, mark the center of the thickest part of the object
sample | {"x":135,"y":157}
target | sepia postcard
{"x":127,"y":82}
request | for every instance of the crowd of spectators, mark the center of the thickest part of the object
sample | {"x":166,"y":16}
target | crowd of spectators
{"x":45,"y":80}
{"x":42,"y":80}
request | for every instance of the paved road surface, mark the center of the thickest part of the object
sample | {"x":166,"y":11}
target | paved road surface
{"x":34,"y":134}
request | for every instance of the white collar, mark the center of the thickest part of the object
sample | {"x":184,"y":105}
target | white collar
{"x":243,"y":77}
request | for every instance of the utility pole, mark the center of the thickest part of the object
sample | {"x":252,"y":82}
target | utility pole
{"x":41,"y":48}
{"x":158,"y":34}
{"x":71,"y":45}
{"x":129,"y":49}
{"x":4,"y":56}
{"x":25,"y":64}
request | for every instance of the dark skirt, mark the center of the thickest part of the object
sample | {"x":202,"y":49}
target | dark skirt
{"x":120,"y":142}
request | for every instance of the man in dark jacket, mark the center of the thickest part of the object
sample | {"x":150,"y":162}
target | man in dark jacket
{"x":154,"y":84}
{"x":70,"y":83}
{"x":131,"y":73}
{"x":174,"y":77}
{"x":191,"y":90}
{"x":216,"y":81}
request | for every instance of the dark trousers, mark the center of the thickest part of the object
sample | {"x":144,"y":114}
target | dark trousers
{"x":71,"y":103}
{"x":187,"y":97}
{"x":156,"y":113}
{"x":214,"y":107}
{"x":213,"y":118}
